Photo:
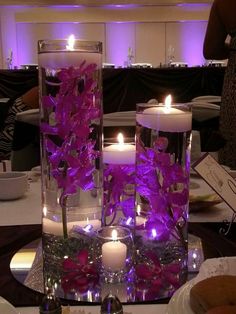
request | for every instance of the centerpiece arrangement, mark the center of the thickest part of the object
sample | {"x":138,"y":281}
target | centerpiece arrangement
{"x":114,"y":212}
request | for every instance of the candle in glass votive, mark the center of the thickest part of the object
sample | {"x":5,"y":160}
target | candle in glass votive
{"x":120,"y":153}
{"x":165,"y":118}
{"x":114,"y":254}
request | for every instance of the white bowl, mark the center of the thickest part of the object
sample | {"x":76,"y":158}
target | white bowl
{"x":13,"y":185}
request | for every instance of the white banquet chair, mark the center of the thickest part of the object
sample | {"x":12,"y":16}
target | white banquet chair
{"x":120,"y":118}
{"x":208,"y":98}
{"x":203,"y":111}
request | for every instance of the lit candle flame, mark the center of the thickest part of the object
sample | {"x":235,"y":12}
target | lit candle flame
{"x":168,"y":101}
{"x":120,"y":139}
{"x":71,"y":42}
{"x":114,"y":235}
{"x":45,"y":211}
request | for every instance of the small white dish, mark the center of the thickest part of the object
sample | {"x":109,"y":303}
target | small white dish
{"x":6,"y":307}
{"x":13,"y":185}
{"x":180,"y":301}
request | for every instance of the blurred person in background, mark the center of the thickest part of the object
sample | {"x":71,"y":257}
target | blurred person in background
{"x":221,"y":24}
{"x":30,"y":100}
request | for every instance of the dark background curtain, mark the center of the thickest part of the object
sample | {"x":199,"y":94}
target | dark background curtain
{"x":124,"y":88}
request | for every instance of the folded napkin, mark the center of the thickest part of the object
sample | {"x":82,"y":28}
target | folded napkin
{"x":122,"y":118}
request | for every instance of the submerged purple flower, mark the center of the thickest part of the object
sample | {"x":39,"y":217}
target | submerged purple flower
{"x":116,"y":196}
{"x":154,"y":277}
{"x":78,"y":274}
{"x":162,"y":184}
{"x":67,"y":129}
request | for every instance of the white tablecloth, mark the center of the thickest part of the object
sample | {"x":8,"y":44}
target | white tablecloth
{"x":27,"y":210}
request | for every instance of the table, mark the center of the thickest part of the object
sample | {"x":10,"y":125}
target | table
{"x":20,"y":224}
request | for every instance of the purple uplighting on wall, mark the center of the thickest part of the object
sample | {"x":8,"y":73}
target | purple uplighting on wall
{"x":28,"y":35}
{"x":193,"y":5}
{"x":192,"y":37}
{"x":119,"y":37}
{"x":121,"y":6}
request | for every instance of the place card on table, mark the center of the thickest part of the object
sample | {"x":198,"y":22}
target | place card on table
{"x":218,"y":178}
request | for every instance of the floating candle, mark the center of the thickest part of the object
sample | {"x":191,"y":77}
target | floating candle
{"x":165,"y":118}
{"x":120,"y":153}
{"x":70,"y":57}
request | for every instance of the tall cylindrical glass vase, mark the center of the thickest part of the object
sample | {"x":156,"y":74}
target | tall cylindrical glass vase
{"x":71,"y":144}
{"x":163,"y":143}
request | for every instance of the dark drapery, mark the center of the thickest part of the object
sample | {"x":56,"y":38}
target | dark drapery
{"x":124,"y":88}
{"x":14,"y":83}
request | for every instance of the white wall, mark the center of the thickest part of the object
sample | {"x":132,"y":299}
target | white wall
{"x":149,"y":31}
{"x":149,"y":41}
{"x":28,"y":35}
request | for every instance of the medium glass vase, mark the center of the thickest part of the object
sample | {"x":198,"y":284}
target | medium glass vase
{"x":163,"y":144}
{"x":71,"y":144}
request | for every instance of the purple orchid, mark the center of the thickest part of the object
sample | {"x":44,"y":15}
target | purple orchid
{"x":79,"y":274}
{"x":116,"y":179}
{"x":154,"y":278}
{"x":67,"y":136}
{"x":156,"y":179}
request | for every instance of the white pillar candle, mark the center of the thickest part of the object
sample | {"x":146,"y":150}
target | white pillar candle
{"x":56,"y":228}
{"x":120,"y":153}
{"x":69,"y":57}
{"x":165,"y":118}
{"x":114,"y":254}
